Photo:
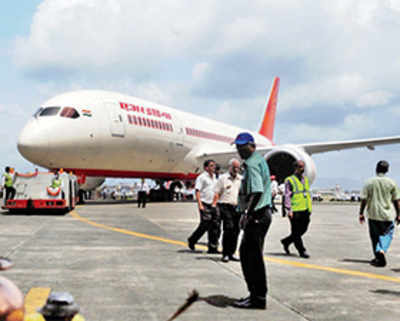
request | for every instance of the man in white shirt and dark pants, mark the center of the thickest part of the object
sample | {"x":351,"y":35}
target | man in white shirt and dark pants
{"x":209,"y":218}
{"x":226,"y":194}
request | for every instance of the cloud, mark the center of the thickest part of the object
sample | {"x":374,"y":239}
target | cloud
{"x":338,"y":60}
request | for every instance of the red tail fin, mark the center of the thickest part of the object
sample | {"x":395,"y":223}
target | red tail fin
{"x":267,"y":126}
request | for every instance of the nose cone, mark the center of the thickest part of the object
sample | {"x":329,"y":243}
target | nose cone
{"x":33,"y":143}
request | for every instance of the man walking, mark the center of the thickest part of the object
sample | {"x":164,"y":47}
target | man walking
{"x":226,"y":194}
{"x":380,"y":196}
{"x":255,"y":221}
{"x":209,"y":219}
{"x":298,"y":206}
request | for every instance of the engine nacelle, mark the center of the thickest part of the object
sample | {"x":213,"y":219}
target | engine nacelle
{"x":90,"y":183}
{"x":280,"y":162}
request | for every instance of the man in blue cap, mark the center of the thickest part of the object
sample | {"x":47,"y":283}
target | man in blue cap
{"x":255,"y":221}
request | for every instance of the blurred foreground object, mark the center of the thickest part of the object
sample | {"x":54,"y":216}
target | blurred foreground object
{"x":193,"y":297}
{"x":11,"y":301}
{"x":60,"y":306}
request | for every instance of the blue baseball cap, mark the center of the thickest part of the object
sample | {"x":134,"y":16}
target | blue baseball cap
{"x":243,"y":139}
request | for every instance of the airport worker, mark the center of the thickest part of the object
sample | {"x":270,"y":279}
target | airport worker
{"x":56,"y":181}
{"x":274,"y":192}
{"x":8,"y":183}
{"x":226,"y":194}
{"x":60,"y":306}
{"x":255,"y":221}
{"x":381,"y":196}
{"x":298,"y":206}
{"x":142,"y":193}
{"x":209,"y":218}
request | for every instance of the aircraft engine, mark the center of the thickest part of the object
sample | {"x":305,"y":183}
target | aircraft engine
{"x":90,"y":183}
{"x":280,"y":162}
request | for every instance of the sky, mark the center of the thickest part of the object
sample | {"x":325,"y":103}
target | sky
{"x":338,"y":62}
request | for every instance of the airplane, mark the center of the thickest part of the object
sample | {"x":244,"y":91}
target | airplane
{"x":97,"y":134}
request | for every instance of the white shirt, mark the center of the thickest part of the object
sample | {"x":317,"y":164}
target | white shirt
{"x":274,"y":187}
{"x":228,"y":188}
{"x":144,"y":187}
{"x":205,"y":185}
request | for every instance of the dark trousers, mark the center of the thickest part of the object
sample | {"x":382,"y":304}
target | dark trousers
{"x":209,"y":222}
{"x":299,"y":225}
{"x":381,"y":234}
{"x":230,"y":222}
{"x":10,"y":193}
{"x":251,"y":252}
{"x":142,"y":195}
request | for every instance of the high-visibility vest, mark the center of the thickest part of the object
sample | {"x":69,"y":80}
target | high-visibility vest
{"x":9,"y":180}
{"x":301,"y":198}
{"x":56,"y":183}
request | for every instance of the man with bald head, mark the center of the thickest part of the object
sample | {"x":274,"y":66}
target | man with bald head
{"x":226,"y":194}
{"x":298,"y":206}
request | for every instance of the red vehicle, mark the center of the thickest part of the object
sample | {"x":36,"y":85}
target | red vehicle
{"x":37,"y":191}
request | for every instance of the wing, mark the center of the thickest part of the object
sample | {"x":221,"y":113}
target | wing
{"x":315,"y":148}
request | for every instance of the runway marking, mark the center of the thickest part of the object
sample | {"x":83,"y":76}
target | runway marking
{"x":269,"y":259}
{"x":36,"y":298}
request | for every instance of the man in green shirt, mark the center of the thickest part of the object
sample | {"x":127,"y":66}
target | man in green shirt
{"x":380,"y":195}
{"x":256,"y":189}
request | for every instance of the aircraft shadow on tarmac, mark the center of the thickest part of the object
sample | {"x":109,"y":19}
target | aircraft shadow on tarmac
{"x":34,"y":213}
{"x":386,"y":292}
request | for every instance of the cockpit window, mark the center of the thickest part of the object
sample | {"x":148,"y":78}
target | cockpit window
{"x":36,"y":114}
{"x":69,"y":112}
{"x":49,"y":111}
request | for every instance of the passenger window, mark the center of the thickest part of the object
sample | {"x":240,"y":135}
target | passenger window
{"x":37,"y":112}
{"x":49,"y":111}
{"x":69,"y":112}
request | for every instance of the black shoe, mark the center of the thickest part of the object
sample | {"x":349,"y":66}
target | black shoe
{"x":304,"y":255}
{"x":225,"y":258}
{"x":234,"y":258}
{"x":191,"y":245}
{"x":251,"y":303}
{"x":379,"y":261}
{"x":381,"y":257}
{"x":285,"y":247}
{"x":213,"y":251}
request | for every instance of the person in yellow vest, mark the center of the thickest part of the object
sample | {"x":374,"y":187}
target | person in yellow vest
{"x":298,"y":205}
{"x":8,"y":183}
{"x":57,"y":183}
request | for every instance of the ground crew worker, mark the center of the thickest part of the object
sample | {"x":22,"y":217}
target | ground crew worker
{"x":142,"y":193}
{"x":298,"y":206}
{"x":255,"y":222}
{"x":8,"y":183}
{"x":209,"y":218}
{"x":60,"y":306}
{"x":57,"y":184}
{"x":381,"y":196}
{"x":226,"y":194}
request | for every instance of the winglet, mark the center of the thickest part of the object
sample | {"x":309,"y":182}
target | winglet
{"x":267,"y":126}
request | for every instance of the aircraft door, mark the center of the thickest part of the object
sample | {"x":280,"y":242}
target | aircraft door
{"x":177,"y":143}
{"x":117,"y":127}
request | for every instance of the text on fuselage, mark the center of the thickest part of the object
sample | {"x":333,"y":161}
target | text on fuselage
{"x":145,"y":110}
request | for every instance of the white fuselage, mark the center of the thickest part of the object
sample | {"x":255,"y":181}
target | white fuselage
{"x":121,"y":136}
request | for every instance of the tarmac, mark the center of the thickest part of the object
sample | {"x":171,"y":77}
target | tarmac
{"x":122,"y":263}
